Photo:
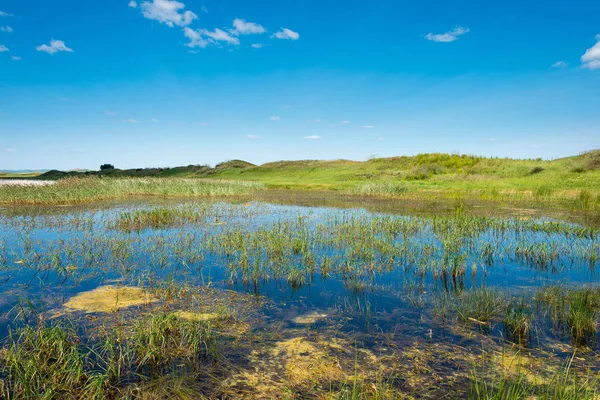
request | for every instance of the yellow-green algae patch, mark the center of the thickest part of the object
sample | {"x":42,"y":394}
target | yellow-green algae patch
{"x":105,"y":299}
{"x":309,"y":318}
{"x":194,"y":316}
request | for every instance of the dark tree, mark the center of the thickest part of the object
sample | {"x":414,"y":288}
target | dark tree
{"x":105,"y":167}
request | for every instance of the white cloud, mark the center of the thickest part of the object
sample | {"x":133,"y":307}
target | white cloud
{"x":220,"y":35}
{"x":345,"y":122}
{"x":4,"y":14}
{"x":204,"y":9}
{"x":242,"y":27}
{"x":559,"y":64}
{"x":3,"y":48}
{"x":168,"y":12}
{"x":591,"y":57}
{"x":286,"y":33}
{"x":252,"y":137}
{"x":154,"y":120}
{"x":203,"y":37}
{"x":133,"y":121}
{"x":55,"y":47}
{"x":110,"y":113}
{"x":447,"y":37}
{"x":196,"y":40}
{"x":257,"y":45}
{"x":275,"y":118}
{"x":132,"y":4}
{"x":6,"y":28}
{"x":15,"y":58}
{"x":312,"y":137}
{"x":595,"y":64}
{"x":368,"y":127}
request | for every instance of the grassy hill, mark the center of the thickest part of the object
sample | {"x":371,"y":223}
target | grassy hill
{"x":571,"y":179}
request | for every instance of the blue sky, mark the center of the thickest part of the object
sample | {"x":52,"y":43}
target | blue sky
{"x":166,"y":83}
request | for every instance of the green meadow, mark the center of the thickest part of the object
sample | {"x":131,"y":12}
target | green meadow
{"x":571,"y":183}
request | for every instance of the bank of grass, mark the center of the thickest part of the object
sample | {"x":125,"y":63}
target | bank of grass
{"x":572,"y":182}
{"x":74,"y":190}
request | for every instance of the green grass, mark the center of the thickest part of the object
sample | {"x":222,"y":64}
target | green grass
{"x":83,"y":189}
{"x":572,"y":182}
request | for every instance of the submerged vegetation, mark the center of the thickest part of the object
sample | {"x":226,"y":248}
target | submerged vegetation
{"x":208,"y":299}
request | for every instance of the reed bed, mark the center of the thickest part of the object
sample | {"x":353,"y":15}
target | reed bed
{"x":80,"y":190}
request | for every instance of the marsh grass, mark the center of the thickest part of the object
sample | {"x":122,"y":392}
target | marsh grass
{"x":517,"y":320}
{"x":480,"y":305}
{"x":575,"y":310}
{"x":56,"y":361}
{"x":84,"y":189}
{"x":565,"y":383}
{"x":421,"y":261}
{"x":158,"y":218}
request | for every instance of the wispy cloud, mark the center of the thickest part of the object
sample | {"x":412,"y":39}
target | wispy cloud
{"x":447,"y":37}
{"x":242,"y":27}
{"x":201,"y":123}
{"x":591,"y":57}
{"x":110,"y":112}
{"x":560,"y":64}
{"x":315,"y":121}
{"x":220,"y":36}
{"x":154,"y":120}
{"x":5,"y":14}
{"x":368,"y":127}
{"x":286,"y":33}
{"x":3,"y":48}
{"x":252,"y":137}
{"x":15,"y":58}
{"x":168,"y":12}
{"x":55,"y":47}
{"x":11,"y":150}
{"x":275,"y":118}
{"x":312,"y":137}
{"x":132,"y":4}
{"x":133,"y":121}
{"x":203,"y":37}
{"x":6,"y":28}
{"x":257,"y":45}
{"x":492,"y":139}
{"x":345,"y":122}
{"x":380,"y":138}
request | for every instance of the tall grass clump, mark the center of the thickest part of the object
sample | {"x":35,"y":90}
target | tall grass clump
{"x":84,"y":189}
{"x":44,"y":363}
{"x":582,"y":316}
{"x":157,"y":218}
{"x":164,"y":340}
{"x":517,"y":320}
{"x":58,"y":362}
{"x":564,"y":383}
{"x":480,"y":305}
{"x":379,"y":189}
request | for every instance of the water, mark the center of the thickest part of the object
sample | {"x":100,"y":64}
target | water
{"x":374,"y":279}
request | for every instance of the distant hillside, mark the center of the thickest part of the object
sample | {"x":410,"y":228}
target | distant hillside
{"x":189,"y":171}
{"x":22,"y":171}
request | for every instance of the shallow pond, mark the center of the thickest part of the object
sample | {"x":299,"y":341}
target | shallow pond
{"x":311,"y":300}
